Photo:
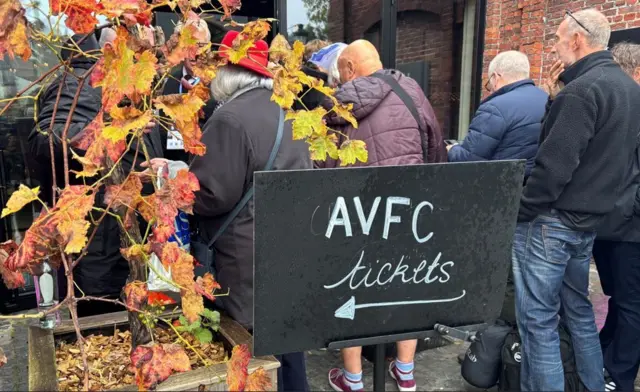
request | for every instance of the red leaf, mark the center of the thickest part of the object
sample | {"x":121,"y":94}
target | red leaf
{"x":182,"y":190}
{"x":237,"y":368}
{"x":206,"y":285}
{"x":229,"y":7}
{"x":12,"y":279}
{"x":80,"y":14}
{"x":157,"y":298}
{"x":126,"y":194}
{"x":136,"y":295}
{"x":154,"y":363}
{"x":13,"y":30}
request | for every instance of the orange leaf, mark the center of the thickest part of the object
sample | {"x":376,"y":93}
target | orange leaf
{"x":80,"y":14}
{"x":96,"y":147}
{"x":122,"y":73}
{"x":206,"y":285}
{"x":237,"y":368}
{"x":229,"y":7}
{"x":117,"y":8}
{"x":184,"y":44}
{"x":136,"y":253}
{"x":125,"y":120}
{"x":13,"y":30}
{"x":154,"y":363}
{"x":258,"y":381}
{"x":168,"y":252}
{"x":126,"y":194}
{"x":183,"y":109}
{"x":182,"y":189}
{"x":74,"y":234}
{"x":183,"y":275}
{"x":157,"y":298}
{"x":136,"y":294}
{"x":206,"y":67}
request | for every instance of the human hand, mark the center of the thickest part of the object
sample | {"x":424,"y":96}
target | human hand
{"x":450,"y":146}
{"x":155,"y":165}
{"x":553,"y":85}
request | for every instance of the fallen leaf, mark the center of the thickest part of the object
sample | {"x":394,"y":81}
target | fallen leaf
{"x":154,"y":363}
{"x":258,"y":381}
{"x":3,"y":358}
{"x":237,"y":368}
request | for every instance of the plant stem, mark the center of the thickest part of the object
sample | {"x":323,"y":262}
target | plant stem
{"x":24,"y":90}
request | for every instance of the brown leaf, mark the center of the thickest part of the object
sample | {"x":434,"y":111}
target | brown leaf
{"x":258,"y":381}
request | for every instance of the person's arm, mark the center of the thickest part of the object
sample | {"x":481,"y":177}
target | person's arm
{"x":86,"y":109}
{"x":485,"y":133}
{"x":569,"y":127}
{"x":223,"y":169}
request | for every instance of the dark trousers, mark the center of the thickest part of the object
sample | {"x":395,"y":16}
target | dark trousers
{"x":292,"y":374}
{"x":618,"y":265}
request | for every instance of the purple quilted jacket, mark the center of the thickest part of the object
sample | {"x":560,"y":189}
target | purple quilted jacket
{"x":386,"y":125}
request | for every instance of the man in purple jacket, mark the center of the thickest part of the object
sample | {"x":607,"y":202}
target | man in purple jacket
{"x":394,"y":137}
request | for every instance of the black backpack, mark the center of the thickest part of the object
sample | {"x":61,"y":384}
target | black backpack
{"x":512,"y":356}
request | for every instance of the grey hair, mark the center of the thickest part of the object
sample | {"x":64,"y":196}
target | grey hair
{"x":200,"y":25}
{"x":231,"y":78}
{"x":107,"y":36}
{"x":511,"y":65}
{"x":333,"y":72}
{"x":627,"y":55}
{"x":595,"y":22}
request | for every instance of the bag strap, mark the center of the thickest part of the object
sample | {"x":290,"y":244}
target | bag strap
{"x":408,"y":102}
{"x":249,"y":194}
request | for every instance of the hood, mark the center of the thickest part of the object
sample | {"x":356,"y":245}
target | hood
{"x":90,"y":43}
{"x":365,"y":93}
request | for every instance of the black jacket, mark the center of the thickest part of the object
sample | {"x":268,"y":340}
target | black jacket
{"x":311,"y":98}
{"x":172,"y":86}
{"x":102,"y":271}
{"x":239,"y":142}
{"x":583,"y":162}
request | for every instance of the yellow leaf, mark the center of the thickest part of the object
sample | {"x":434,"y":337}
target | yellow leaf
{"x":285,"y":88}
{"x":256,"y":30}
{"x":20,"y":198}
{"x":295,"y":60}
{"x":307,"y":123}
{"x":304,"y":78}
{"x":352,"y":151}
{"x":344,"y":111}
{"x":75,"y":234}
{"x":321,"y":146}
{"x":89,"y":169}
{"x":240,"y":50}
{"x":318,"y":84}
{"x":124,"y":121}
{"x":180,"y":107}
{"x":145,"y":71}
{"x":279,"y":49}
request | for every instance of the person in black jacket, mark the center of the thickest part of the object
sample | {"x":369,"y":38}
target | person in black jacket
{"x":102,"y":271}
{"x":577,"y":178}
{"x":617,"y":255}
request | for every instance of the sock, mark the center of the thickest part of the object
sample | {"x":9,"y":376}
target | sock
{"x":406,"y":368}
{"x":353,"y":379}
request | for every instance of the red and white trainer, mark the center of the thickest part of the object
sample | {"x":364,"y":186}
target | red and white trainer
{"x":405,"y":381}
{"x":339,"y":383}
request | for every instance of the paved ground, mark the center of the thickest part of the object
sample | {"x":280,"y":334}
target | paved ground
{"x":436,"y":369}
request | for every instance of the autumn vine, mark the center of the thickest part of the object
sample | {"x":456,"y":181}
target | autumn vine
{"x":131,"y":75}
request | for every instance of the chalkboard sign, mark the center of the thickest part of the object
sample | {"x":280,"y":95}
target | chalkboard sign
{"x":352,"y":253}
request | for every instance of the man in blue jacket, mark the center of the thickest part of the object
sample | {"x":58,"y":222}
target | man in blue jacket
{"x":507,"y":123}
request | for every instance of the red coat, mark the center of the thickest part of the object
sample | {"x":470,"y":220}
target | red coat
{"x":386,"y":125}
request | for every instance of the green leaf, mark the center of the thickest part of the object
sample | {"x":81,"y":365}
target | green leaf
{"x":204,"y":335}
{"x":307,"y":123}
{"x":212,"y":316}
{"x":183,"y":320}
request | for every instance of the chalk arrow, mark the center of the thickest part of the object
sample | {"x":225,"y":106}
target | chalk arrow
{"x":348,"y":309}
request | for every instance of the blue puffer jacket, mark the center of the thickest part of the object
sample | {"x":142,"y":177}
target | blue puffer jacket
{"x":506,"y":126}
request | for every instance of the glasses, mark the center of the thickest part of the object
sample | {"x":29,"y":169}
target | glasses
{"x":568,"y":13}
{"x":487,"y":86}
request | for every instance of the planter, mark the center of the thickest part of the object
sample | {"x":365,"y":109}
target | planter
{"x":42,"y":362}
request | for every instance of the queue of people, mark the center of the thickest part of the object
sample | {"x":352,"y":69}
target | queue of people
{"x":579,"y":135}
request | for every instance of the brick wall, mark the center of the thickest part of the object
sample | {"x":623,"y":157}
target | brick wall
{"x":529,"y":26}
{"x":424,"y":32}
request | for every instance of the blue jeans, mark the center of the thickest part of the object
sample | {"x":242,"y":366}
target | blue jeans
{"x":551,"y":275}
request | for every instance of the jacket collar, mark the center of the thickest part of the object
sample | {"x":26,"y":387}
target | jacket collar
{"x":585,"y":64}
{"x":509,"y":88}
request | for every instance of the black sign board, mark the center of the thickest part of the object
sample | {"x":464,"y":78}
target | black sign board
{"x":628,"y":35}
{"x":363,"y":252}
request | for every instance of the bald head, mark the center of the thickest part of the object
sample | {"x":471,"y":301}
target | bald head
{"x":358,"y":59}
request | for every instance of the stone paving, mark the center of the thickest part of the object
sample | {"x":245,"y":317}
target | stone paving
{"x":436,"y":369}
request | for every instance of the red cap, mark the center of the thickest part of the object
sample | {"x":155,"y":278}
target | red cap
{"x":258,"y":54}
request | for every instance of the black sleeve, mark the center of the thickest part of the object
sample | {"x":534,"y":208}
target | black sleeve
{"x":569,"y":127}
{"x":86,"y":109}
{"x":223,"y":169}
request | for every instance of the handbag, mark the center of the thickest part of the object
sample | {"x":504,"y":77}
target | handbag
{"x":204,"y":252}
{"x":408,"y":102}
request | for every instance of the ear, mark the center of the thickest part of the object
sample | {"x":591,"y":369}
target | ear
{"x":636,"y":74}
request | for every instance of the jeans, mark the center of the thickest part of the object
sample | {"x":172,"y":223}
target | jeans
{"x":551,"y":275}
{"x":619,"y":269}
